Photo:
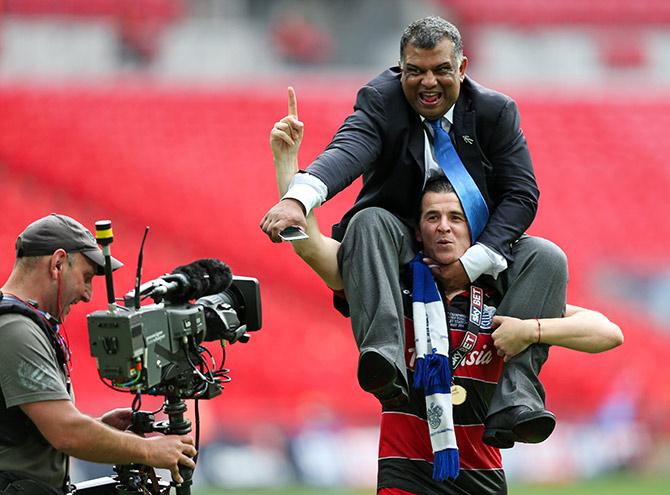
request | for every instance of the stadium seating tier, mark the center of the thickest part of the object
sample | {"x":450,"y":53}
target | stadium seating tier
{"x":195,"y":166}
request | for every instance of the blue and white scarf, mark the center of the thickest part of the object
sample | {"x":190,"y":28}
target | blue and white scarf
{"x":432,"y":373}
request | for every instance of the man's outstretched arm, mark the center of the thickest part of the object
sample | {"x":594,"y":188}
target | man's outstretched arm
{"x":581,"y":330}
{"x":319,"y":251}
{"x":353,"y":150}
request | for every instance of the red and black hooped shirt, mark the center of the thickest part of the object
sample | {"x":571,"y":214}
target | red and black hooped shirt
{"x":405,"y":453}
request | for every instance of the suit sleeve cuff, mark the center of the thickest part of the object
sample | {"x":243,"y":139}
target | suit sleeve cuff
{"x":309,"y":190}
{"x":481,"y":260}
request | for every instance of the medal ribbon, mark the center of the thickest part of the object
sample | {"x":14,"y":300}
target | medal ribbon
{"x":472,"y":332}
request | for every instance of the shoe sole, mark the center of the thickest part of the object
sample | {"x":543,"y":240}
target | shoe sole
{"x":499,"y":438}
{"x":533,"y":430}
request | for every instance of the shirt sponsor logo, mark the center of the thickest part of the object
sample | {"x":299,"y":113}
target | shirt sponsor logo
{"x":469,"y":340}
{"x":479,"y":357}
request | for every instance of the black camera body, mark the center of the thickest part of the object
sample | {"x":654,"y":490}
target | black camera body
{"x":155,"y":349}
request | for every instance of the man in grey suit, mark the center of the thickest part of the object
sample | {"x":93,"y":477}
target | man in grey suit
{"x":390,"y":139}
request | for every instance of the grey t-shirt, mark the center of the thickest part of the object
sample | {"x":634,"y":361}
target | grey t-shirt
{"x":29,"y":372}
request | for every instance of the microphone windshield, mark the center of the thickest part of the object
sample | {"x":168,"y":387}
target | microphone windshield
{"x":220,"y":276}
{"x":203,"y":278}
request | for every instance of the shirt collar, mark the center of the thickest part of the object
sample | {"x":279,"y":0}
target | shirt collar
{"x":449,"y":116}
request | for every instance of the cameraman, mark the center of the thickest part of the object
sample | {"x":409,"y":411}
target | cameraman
{"x":56,"y":260}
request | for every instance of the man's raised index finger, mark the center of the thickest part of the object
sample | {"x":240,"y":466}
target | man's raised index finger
{"x":292,"y":102}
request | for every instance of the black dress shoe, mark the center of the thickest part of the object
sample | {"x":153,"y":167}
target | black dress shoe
{"x":378,"y":376}
{"x":518,"y":424}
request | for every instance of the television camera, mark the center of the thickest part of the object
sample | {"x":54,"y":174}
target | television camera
{"x":156,"y":349}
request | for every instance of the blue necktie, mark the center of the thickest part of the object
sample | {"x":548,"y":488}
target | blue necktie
{"x":467,"y":191}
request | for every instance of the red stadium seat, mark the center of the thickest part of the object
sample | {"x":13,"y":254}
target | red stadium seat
{"x":166,"y":10}
{"x":555,"y":12}
{"x":196,"y":167}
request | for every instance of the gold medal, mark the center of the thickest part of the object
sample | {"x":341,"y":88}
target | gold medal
{"x":458,"y":395}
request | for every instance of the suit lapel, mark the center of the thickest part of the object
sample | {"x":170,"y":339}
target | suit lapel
{"x":464,"y":136}
{"x":463,"y":133}
{"x":416,"y":143}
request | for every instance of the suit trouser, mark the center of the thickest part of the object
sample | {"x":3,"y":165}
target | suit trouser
{"x":377,"y":244}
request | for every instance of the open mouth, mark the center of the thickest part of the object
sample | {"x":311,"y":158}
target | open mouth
{"x":429,"y":99}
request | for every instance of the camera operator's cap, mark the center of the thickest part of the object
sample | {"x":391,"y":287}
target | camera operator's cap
{"x":55,"y":231}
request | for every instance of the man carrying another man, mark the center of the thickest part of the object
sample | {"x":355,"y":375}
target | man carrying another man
{"x":56,"y":260}
{"x":442,"y":420}
{"x":422,"y":119}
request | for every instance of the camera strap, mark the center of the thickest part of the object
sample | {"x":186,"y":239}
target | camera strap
{"x":47,"y":323}
{"x":14,"y":424}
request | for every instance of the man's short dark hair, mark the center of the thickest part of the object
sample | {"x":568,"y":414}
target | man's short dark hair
{"x":434,"y":185}
{"x":426,"y":33}
{"x":438,"y":185}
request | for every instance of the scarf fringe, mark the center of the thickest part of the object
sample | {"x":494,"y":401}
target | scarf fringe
{"x":432,"y":374}
{"x":446,"y":464}
{"x":438,"y":375}
{"x":420,"y":373}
